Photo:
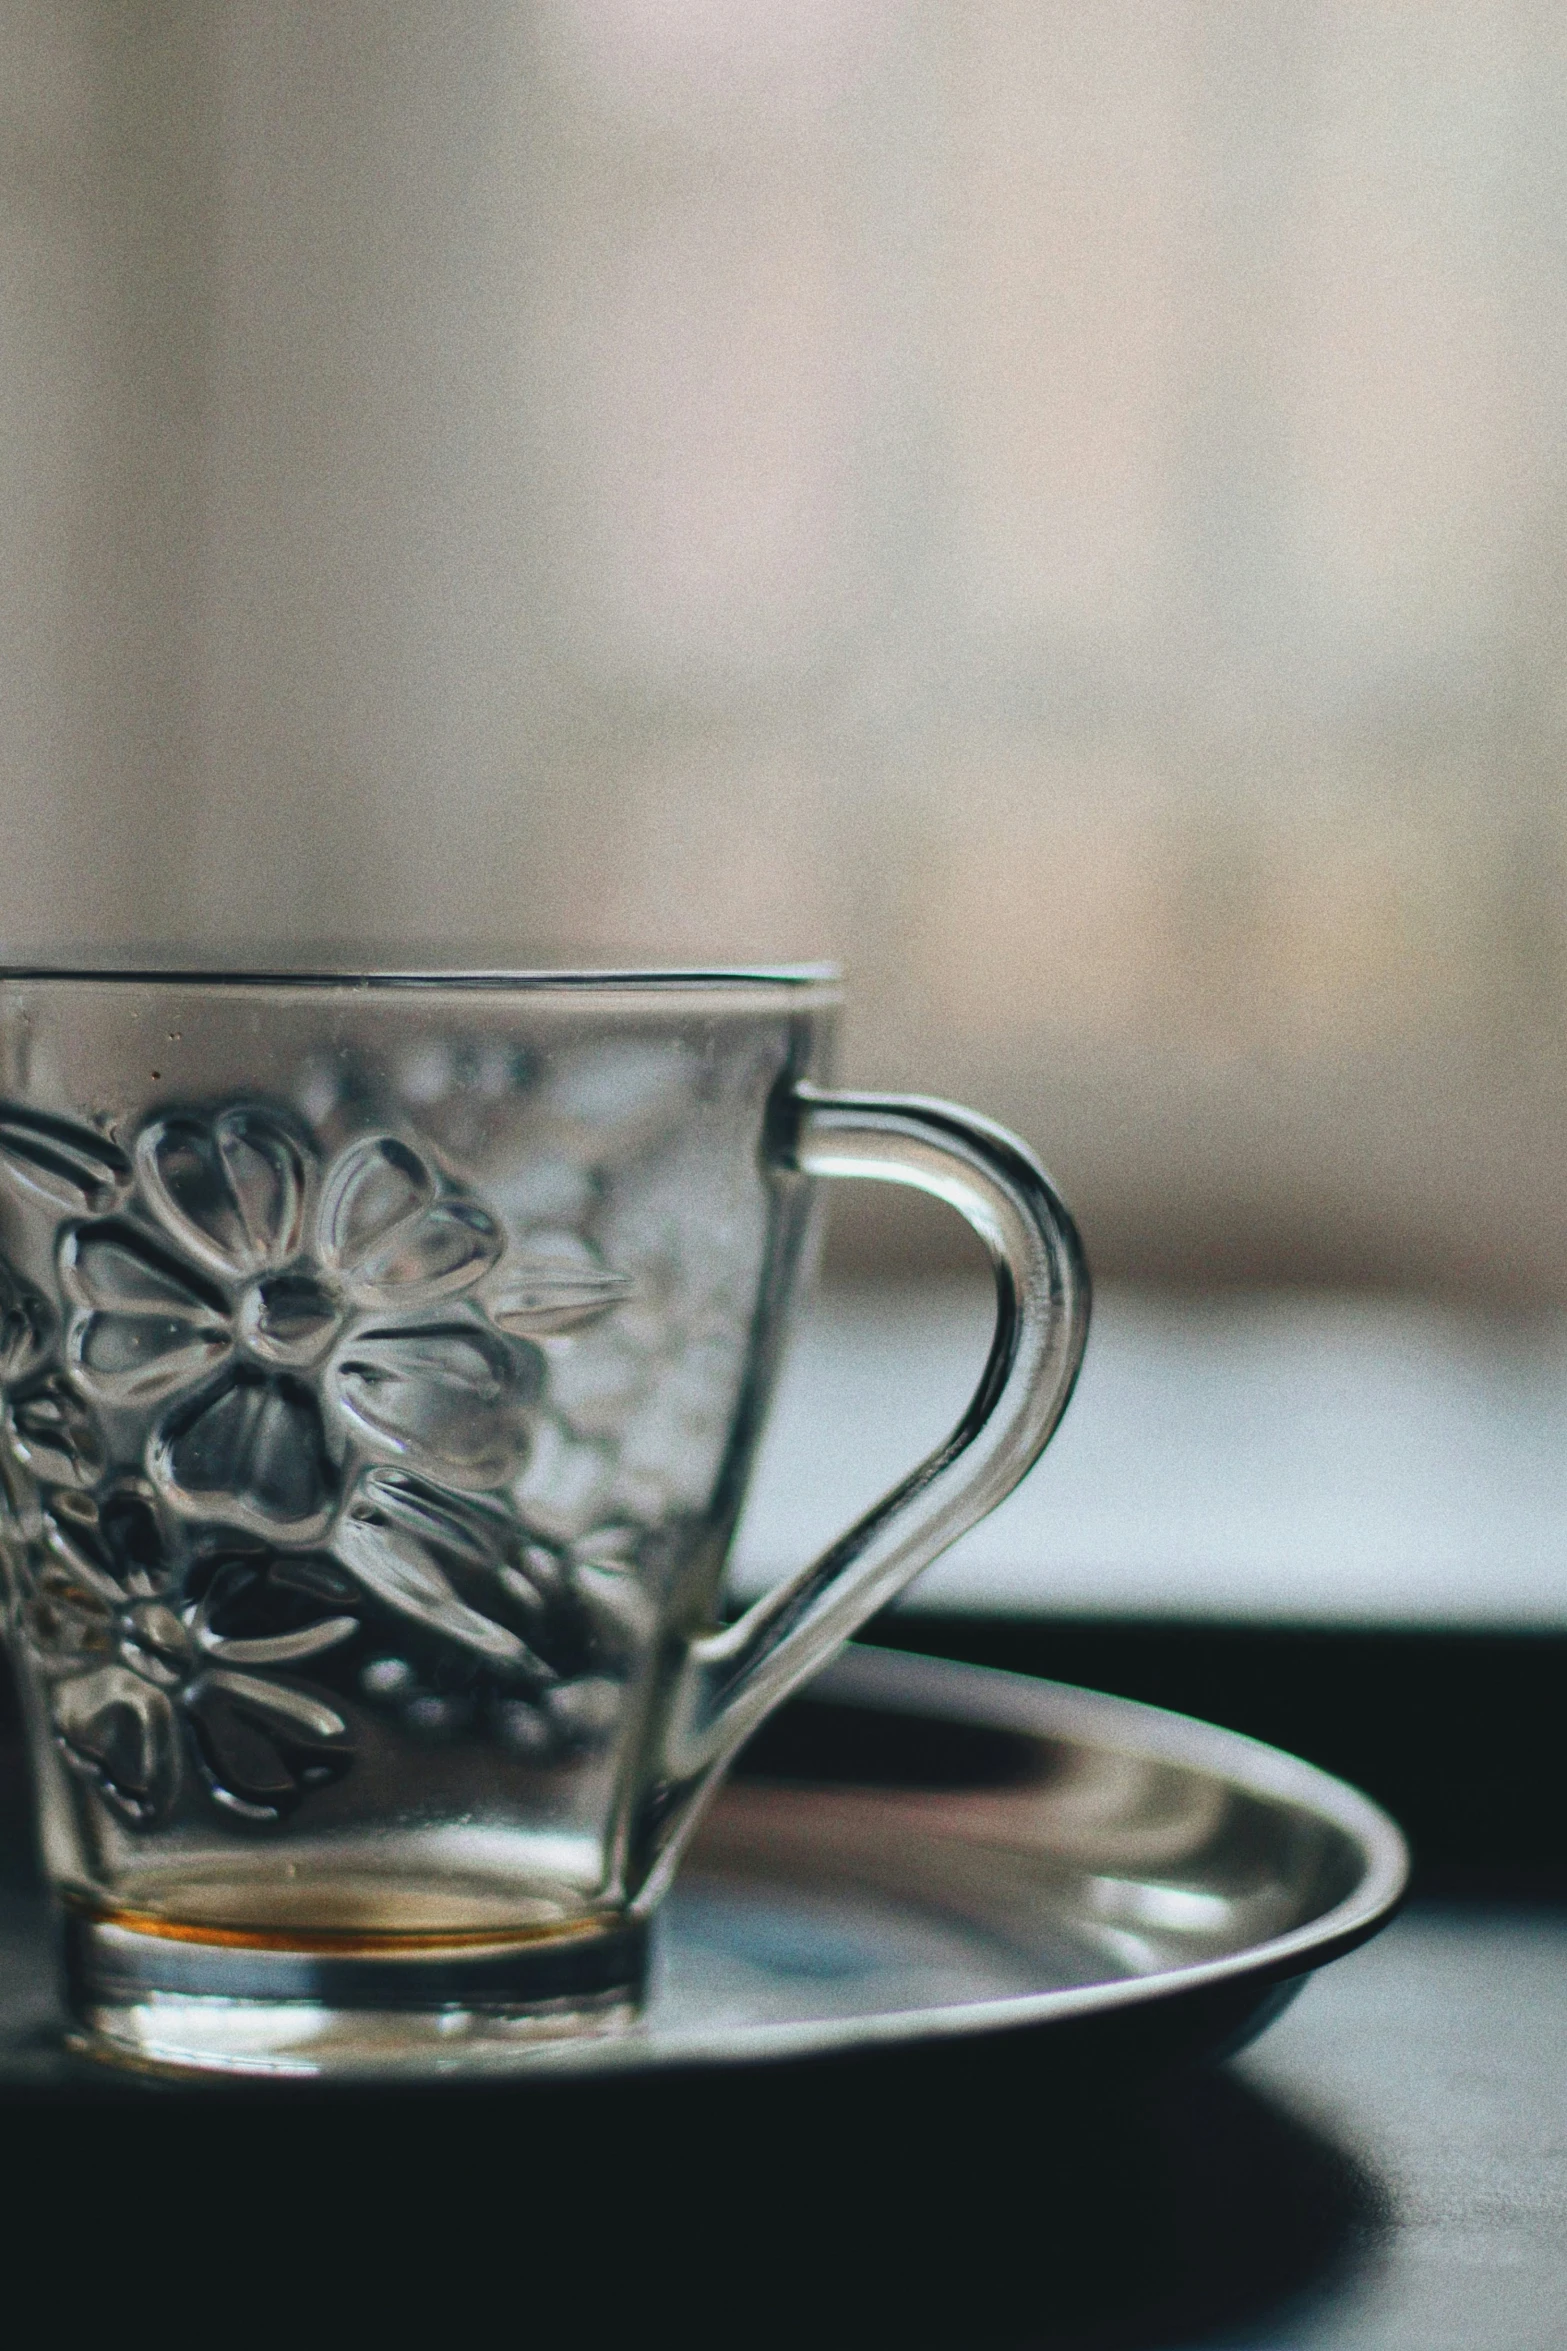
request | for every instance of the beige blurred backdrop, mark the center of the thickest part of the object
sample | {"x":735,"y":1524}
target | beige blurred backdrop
{"x":1059,"y":507}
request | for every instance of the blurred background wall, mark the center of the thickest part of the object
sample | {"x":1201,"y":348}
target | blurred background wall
{"x":1059,"y":507}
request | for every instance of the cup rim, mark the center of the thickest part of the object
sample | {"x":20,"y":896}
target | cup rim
{"x":368,"y":972}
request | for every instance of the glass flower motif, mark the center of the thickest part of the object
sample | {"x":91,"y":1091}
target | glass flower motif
{"x":142,"y":1686}
{"x":237,"y":1318}
{"x":296,"y":1361}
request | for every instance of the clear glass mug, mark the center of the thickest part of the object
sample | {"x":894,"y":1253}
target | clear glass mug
{"x":383,"y":1358}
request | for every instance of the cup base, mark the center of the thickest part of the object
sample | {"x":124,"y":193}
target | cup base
{"x":162,"y":1999}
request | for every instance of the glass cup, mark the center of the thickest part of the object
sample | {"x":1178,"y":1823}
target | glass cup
{"x":383,"y":1357}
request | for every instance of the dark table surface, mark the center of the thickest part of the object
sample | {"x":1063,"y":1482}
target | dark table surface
{"x":1385,"y":2170}
{"x":1422,"y":2086}
{"x":1386,"y":2166}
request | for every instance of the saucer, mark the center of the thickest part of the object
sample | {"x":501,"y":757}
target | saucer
{"x":914,"y":1851}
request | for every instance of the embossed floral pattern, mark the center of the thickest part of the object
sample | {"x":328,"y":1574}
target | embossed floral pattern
{"x":281,"y":1413}
{"x":501,"y":1628}
{"x":72,"y":1166}
{"x":241,"y":1322}
{"x":458,"y":1566}
{"x":143,"y":1688}
{"x":24,"y":1330}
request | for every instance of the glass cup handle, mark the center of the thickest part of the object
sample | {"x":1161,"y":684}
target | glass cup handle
{"x":737,"y":1675}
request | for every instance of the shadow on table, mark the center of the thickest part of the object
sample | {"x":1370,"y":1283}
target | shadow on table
{"x":967,"y":2195}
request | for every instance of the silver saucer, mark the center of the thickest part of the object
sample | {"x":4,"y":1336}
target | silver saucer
{"x":917,"y":1851}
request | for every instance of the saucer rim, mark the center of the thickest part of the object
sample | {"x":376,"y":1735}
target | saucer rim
{"x":892,"y":1680}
